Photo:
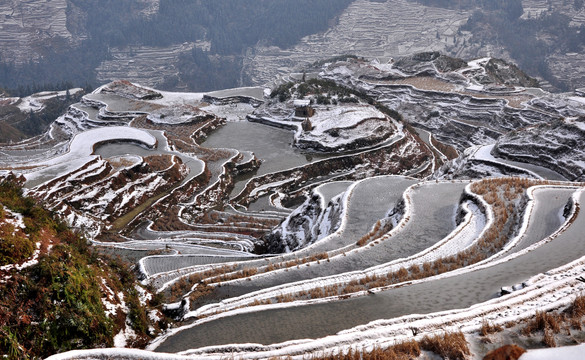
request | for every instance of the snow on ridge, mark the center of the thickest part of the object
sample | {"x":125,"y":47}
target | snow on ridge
{"x":82,"y":146}
{"x":574,"y":352}
{"x":342,"y":117}
{"x":548,"y":293}
{"x":344,"y":218}
{"x":400,"y":135}
{"x":33,"y":260}
{"x":343,"y":201}
{"x":121,"y":354}
{"x":483,"y":153}
{"x":319,"y":282}
{"x":35,"y":102}
{"x":443,"y":248}
{"x":16,"y":219}
{"x":83,"y":143}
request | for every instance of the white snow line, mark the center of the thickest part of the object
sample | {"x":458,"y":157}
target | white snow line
{"x":228,"y":305}
{"x":546,"y":294}
{"x":434,"y":252}
{"x":480,"y":154}
{"x":401,"y":135}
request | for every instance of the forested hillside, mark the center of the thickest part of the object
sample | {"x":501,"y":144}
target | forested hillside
{"x":225,"y":24}
{"x":209,"y":45}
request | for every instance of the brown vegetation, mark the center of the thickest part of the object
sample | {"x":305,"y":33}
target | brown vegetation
{"x":577,"y":308}
{"x":426,"y":83}
{"x":544,"y":321}
{"x":501,"y":194}
{"x":548,"y":338}
{"x":403,"y":351}
{"x":375,"y":233}
{"x":488,"y":328}
{"x":450,"y":345}
{"x":449,"y":151}
{"x":55,"y":305}
{"x":378,"y":161}
{"x":184,"y":284}
{"x":506,"y":352}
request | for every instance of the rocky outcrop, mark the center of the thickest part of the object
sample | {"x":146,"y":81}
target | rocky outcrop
{"x":501,"y":72}
{"x":309,"y":223}
{"x":128,"y":90}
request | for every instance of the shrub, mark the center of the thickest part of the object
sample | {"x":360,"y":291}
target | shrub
{"x":56,"y":304}
{"x":577,"y":308}
{"x":450,"y":345}
{"x":15,"y":246}
{"x":488,"y":328}
{"x":508,"y":352}
{"x":137,"y":313}
{"x":543,"y":321}
{"x":403,"y":351}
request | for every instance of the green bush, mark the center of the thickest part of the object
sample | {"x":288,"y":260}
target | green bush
{"x":56,"y":304}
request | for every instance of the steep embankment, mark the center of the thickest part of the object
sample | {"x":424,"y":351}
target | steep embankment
{"x":57,"y":293}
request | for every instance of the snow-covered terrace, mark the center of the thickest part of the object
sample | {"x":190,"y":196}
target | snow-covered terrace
{"x":81,"y":149}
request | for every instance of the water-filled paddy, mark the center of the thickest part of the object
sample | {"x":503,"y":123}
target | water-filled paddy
{"x":319,"y":320}
{"x":270,"y":144}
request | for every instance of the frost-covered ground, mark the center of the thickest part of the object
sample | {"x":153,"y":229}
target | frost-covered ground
{"x":341,"y":127}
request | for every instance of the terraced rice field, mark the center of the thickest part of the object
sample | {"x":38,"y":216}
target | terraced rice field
{"x":460,"y":290}
{"x":261,"y":249}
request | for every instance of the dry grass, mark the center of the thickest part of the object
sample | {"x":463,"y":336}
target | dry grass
{"x":548,"y":338}
{"x":450,"y":345}
{"x":403,"y":351}
{"x":508,"y":352}
{"x":184,"y":284}
{"x":544,"y":321}
{"x":501,"y":194}
{"x":574,"y":314}
{"x":374,"y":234}
{"x":552,"y":323}
{"x":487,"y":328}
{"x":577,"y":308}
{"x":201,"y":290}
{"x":449,"y":151}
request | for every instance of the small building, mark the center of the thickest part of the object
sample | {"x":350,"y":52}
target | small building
{"x":303,"y":108}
